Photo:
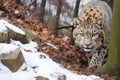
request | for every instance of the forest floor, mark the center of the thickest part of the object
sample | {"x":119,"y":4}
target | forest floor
{"x":58,"y":48}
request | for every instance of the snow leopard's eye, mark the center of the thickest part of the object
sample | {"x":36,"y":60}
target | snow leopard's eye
{"x":81,"y":31}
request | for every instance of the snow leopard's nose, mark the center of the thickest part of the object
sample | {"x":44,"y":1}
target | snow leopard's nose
{"x":87,"y":45}
{"x":87,"y":42}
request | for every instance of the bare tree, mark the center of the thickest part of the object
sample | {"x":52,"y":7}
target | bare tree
{"x":110,"y":2}
{"x":75,"y":15}
{"x":35,"y":4}
{"x":42,"y":10}
{"x":18,"y":1}
{"x":1,"y":4}
{"x":57,"y":17}
{"x":35,"y":10}
{"x":76,"y":8}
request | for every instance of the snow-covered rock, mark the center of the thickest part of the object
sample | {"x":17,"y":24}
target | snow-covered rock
{"x":3,"y":35}
{"x":7,"y":25}
{"x":9,"y":31}
{"x":10,"y":53}
{"x":11,"y":56}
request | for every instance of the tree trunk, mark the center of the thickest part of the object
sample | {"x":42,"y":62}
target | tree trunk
{"x":56,"y":22}
{"x":18,"y":1}
{"x":112,"y":66}
{"x":35,"y":9}
{"x":74,"y":15}
{"x":110,"y":2}
{"x":1,"y":4}
{"x":42,"y":11}
{"x":76,"y":8}
{"x":35,"y":4}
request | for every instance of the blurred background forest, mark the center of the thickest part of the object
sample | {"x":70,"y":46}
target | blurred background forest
{"x":56,"y":13}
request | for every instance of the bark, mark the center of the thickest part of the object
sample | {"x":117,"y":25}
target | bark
{"x":76,"y":8}
{"x":1,"y":4}
{"x":112,"y":66}
{"x":18,"y":1}
{"x":35,"y":4}
{"x":110,"y":2}
{"x":42,"y":10}
{"x":74,"y":15}
{"x":56,"y":22}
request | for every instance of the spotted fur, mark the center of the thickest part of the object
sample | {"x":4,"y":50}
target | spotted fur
{"x":92,"y":30}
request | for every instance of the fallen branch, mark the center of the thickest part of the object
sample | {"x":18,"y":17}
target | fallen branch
{"x":7,"y":3}
{"x":65,"y":27}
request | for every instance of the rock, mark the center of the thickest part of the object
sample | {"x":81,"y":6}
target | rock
{"x":13,"y":60}
{"x":32,"y":36}
{"x":9,"y":31}
{"x":61,"y":77}
{"x":29,"y":35}
{"x":4,"y":36}
{"x":41,"y":78}
{"x":17,"y":36}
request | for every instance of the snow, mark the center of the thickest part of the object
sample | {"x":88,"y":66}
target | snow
{"x":2,"y":28}
{"x":7,"y":48}
{"x":36,"y":63}
{"x":5,"y":25}
{"x":17,"y":11}
{"x":4,"y":70}
{"x":43,"y":66}
{"x":34,"y":46}
{"x":21,"y":75}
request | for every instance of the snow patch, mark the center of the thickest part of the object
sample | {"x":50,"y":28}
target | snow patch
{"x":7,"y":48}
{"x":5,"y":25}
{"x":37,"y":64}
{"x":2,"y":27}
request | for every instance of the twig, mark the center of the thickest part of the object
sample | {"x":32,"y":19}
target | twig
{"x":53,"y":46}
{"x":32,"y":2}
{"x":64,"y":27}
{"x":7,"y":3}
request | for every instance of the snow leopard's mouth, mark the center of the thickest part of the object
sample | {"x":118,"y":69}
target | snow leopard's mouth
{"x":87,"y":49}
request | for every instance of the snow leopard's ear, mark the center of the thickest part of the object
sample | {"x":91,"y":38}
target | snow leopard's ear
{"x":100,"y":23}
{"x":76,"y":22}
